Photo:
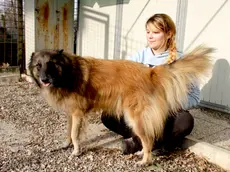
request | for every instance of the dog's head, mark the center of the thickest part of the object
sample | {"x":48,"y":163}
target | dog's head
{"x":50,"y":68}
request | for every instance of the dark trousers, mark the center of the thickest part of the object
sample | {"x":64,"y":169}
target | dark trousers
{"x":177,"y":126}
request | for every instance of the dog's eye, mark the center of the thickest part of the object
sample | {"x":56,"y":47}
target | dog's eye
{"x":58,"y":67}
{"x":38,"y":65}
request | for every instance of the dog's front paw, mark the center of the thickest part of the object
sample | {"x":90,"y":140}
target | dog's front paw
{"x":66,"y":144}
{"x":75,"y":153}
{"x":143,"y":163}
{"x":140,"y":163}
{"x":146,"y":160}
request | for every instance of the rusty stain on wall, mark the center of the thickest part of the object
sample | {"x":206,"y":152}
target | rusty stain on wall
{"x":43,"y":14}
{"x":56,"y":36}
{"x":54,"y":23}
{"x":56,"y":29}
{"x":45,"y":10}
{"x":65,"y":26}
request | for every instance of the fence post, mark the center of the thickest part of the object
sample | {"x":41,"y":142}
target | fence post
{"x":21,"y":60}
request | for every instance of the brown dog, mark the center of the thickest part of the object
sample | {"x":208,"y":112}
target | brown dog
{"x":143,"y":95}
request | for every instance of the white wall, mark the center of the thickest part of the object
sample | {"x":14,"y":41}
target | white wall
{"x":29,"y":29}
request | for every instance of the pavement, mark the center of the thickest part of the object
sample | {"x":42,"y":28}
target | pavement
{"x":212,"y":127}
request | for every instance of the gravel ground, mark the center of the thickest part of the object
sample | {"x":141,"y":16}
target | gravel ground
{"x":30,"y":132}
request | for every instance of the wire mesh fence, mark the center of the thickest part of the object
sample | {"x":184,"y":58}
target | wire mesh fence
{"x":12,"y":44}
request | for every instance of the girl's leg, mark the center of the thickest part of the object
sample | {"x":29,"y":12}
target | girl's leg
{"x":116,"y":125}
{"x":131,"y":142}
{"x":176,"y":128}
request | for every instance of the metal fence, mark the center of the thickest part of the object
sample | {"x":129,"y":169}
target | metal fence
{"x":12,"y":44}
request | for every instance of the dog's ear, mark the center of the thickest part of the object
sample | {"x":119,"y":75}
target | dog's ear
{"x":32,"y":55}
{"x":60,"y":51}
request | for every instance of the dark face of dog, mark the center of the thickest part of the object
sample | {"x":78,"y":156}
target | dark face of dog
{"x":51,"y":68}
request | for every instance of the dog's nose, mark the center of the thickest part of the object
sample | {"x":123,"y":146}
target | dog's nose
{"x":45,"y":80}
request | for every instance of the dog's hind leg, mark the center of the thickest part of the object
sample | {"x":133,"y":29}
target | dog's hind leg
{"x":147,"y":144}
{"x":75,"y":130}
{"x":147,"y":141}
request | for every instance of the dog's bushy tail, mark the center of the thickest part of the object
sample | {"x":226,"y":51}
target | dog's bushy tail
{"x":192,"y":69}
{"x":172,"y":83}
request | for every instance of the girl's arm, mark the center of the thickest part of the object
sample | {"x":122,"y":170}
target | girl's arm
{"x":193,"y":97}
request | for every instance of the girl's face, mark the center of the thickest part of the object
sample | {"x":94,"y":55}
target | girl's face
{"x":157,"y":39}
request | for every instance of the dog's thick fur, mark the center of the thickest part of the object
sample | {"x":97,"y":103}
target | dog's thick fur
{"x":143,"y":95}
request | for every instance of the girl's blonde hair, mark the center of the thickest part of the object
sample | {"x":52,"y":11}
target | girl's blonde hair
{"x":165,"y":23}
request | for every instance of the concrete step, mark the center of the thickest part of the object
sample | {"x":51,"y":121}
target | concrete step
{"x":9,"y":74}
{"x":210,"y":152}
